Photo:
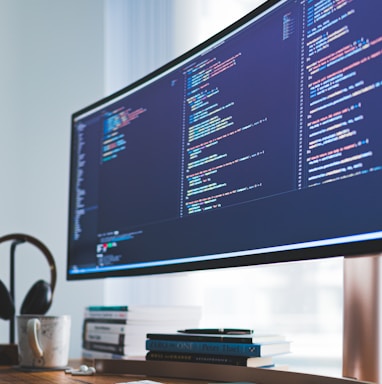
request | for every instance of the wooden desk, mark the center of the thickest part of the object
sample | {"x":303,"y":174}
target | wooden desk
{"x":13,"y":375}
{"x":135,"y":372}
{"x":10,"y":375}
{"x":183,"y":372}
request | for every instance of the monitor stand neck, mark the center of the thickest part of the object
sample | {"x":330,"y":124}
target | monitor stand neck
{"x":362,"y":317}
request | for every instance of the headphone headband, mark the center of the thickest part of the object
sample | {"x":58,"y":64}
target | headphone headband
{"x":41,"y":246}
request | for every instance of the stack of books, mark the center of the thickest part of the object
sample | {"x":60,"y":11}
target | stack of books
{"x":229,"y":347}
{"x":118,"y":332}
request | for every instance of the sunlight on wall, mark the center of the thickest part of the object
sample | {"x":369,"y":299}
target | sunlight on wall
{"x":206,"y":18}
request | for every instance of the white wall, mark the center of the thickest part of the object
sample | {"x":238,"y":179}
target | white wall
{"x":52,"y":64}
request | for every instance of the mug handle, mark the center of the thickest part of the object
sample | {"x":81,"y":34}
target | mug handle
{"x":33,"y":326}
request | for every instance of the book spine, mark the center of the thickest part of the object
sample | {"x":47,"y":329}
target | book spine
{"x":230,"y":349}
{"x":194,"y":337}
{"x":195,"y":358}
{"x":104,"y":321}
{"x":105,"y":314}
{"x":90,"y":355}
{"x":215,"y":338}
{"x":105,"y":347}
{"x":103,"y":327}
{"x":115,"y":308}
{"x":108,"y":338}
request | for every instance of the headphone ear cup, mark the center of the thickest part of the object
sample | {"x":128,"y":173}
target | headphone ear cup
{"x":7,"y":308}
{"x":38,"y":299}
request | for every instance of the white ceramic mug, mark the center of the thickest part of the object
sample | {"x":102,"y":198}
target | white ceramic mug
{"x":43,"y":341}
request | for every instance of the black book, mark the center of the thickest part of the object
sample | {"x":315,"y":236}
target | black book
{"x":254,"y":362}
{"x":224,"y":338}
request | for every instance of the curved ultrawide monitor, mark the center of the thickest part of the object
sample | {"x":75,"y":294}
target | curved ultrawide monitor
{"x":262,"y":145}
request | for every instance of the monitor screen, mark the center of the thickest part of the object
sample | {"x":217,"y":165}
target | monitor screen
{"x":261,"y":145}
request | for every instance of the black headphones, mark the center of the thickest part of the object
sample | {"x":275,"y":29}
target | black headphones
{"x":39,"y":298}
